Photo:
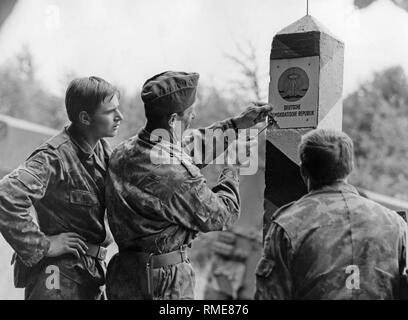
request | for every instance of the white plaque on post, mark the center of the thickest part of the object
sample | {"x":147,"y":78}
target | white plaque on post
{"x":294,"y":92}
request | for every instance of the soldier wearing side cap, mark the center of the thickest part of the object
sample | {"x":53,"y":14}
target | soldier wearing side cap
{"x":61,"y":256}
{"x":332,"y":243}
{"x":155,"y":209}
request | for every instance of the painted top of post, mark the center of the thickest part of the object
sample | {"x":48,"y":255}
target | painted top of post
{"x":306,"y":24}
{"x":305,"y":74}
{"x":303,"y":38}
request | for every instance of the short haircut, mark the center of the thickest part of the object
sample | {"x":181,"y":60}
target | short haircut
{"x":327,"y":155}
{"x":86,"y":94}
{"x":159,"y":119}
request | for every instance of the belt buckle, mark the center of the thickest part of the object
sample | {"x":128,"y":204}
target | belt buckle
{"x":101,"y":253}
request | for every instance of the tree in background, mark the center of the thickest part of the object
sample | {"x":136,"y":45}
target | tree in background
{"x":249,"y":85}
{"x":376,"y":118}
{"x":22,"y":95}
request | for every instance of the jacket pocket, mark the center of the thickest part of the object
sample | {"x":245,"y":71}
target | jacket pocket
{"x":83,"y":198}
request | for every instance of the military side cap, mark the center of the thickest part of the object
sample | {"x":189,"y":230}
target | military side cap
{"x":169,"y":92}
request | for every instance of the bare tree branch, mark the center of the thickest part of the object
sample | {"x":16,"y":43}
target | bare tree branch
{"x":247,"y":61}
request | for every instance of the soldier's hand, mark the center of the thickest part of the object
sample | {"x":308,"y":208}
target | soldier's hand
{"x":254,"y":114}
{"x":64,"y":243}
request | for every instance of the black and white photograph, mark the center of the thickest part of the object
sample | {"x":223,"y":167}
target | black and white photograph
{"x":205,"y":150}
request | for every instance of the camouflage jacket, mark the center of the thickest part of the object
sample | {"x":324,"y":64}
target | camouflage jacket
{"x":155,"y":206}
{"x":64,"y":180}
{"x":333,"y":244}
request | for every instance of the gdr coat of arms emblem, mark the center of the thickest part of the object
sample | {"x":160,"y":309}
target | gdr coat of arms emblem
{"x":293,"y":84}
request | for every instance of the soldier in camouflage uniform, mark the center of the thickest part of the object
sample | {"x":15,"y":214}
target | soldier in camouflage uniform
{"x":157,"y":198}
{"x":62,"y":256}
{"x":332,"y":243}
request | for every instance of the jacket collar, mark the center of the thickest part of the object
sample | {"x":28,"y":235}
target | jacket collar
{"x":337,"y":186}
{"x":156,"y":139}
{"x":160,"y":145}
{"x":85,"y":150}
{"x":149,"y":137}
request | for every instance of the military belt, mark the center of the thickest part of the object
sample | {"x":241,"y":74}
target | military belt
{"x":159,"y":260}
{"x":154,"y":261}
{"x":96,"y":251}
{"x":167,"y":259}
{"x":162,"y":260}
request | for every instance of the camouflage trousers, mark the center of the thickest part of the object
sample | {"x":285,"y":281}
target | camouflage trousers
{"x":126,"y":279}
{"x":38,"y":288}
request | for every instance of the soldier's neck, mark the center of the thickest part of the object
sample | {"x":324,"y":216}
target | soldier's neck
{"x":151,"y":127}
{"x":162,"y":130}
{"x":313,"y":185}
{"x":86,"y":134}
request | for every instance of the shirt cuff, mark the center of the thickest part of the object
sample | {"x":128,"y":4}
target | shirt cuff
{"x":39,"y":253}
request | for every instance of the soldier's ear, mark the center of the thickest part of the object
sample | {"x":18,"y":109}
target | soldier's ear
{"x":84,"y":118}
{"x":303,"y":174}
{"x":172,"y":120}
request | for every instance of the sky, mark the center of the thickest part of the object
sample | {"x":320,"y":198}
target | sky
{"x":128,"y":41}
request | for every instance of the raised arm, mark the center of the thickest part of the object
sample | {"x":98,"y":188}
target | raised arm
{"x":206,"y":144}
{"x":198,"y":207}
